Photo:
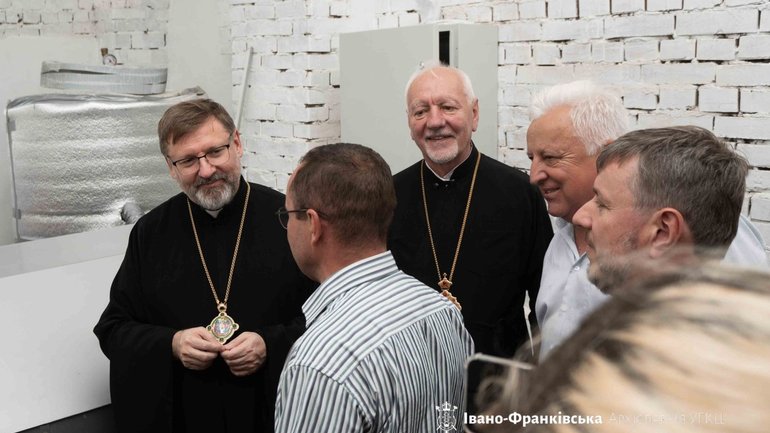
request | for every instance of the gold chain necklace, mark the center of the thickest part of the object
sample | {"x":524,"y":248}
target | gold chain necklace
{"x":445,"y":283}
{"x":222,"y":327}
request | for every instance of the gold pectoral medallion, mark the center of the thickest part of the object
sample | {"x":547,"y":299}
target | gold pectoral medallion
{"x":222,"y":327}
{"x":445,"y":283}
{"x":447,"y":294}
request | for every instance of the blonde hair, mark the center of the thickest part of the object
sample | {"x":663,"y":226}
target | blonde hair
{"x":687,"y":352}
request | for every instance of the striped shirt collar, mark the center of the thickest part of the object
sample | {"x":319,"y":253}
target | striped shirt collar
{"x":361,"y":272}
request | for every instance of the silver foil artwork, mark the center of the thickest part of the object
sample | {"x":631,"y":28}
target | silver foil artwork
{"x":82,"y":162}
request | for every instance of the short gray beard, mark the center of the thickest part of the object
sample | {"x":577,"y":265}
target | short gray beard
{"x":443,"y":157}
{"x":213,"y":199}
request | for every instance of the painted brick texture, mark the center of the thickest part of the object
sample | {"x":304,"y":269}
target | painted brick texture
{"x":702,"y":62}
{"x":133,"y":30}
{"x":676,"y":62}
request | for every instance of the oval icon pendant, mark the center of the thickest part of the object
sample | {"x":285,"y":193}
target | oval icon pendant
{"x":222,"y":327}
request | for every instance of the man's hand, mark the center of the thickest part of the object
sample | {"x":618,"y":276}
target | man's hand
{"x":245,"y":354}
{"x":196,"y":348}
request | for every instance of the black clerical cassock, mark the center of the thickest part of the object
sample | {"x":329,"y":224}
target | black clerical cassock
{"x":507,"y":233}
{"x":161,"y":288}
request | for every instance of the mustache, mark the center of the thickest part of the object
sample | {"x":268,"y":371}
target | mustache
{"x":438,"y":134}
{"x":200,"y":181}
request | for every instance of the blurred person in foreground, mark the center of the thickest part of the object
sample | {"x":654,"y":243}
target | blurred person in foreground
{"x":684,"y":351}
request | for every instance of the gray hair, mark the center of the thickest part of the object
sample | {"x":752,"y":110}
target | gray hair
{"x":689,"y":169}
{"x":429,"y":65}
{"x":597,"y":113}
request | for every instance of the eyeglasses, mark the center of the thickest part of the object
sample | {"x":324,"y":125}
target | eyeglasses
{"x":283,"y":215}
{"x":216,"y":156}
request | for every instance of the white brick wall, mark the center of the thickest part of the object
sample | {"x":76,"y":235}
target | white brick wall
{"x":641,"y":97}
{"x":607,"y":74}
{"x":756,"y":181}
{"x":579,"y":30}
{"x":642,"y":50}
{"x":574,"y":53}
{"x":700,"y":4}
{"x":505,"y":12}
{"x":758,"y":155}
{"x":626,"y":6}
{"x":716,"y":49}
{"x":718,"y":99}
{"x":717,"y":22}
{"x":677,"y":97}
{"x":546,"y":54}
{"x":532,"y":9}
{"x":752,"y":47}
{"x":702,"y":62}
{"x":516,"y":53}
{"x":679,"y":73}
{"x":562,"y":9}
{"x":664,"y":5}
{"x":743,"y":75}
{"x":543,"y":74}
{"x":764,"y":20}
{"x":760,"y":207}
{"x":755,"y":100}
{"x":754,"y":128}
{"x":524,"y":31}
{"x":134,"y":30}
{"x":677,"y":49}
{"x":674,"y":118}
{"x":639,"y":25}
{"x":591,"y":8}
{"x":606,"y":52}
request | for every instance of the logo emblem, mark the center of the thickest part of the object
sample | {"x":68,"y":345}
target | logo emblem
{"x":446,"y":417}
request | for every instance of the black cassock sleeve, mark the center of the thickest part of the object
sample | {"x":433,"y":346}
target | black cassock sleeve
{"x":140,"y":353}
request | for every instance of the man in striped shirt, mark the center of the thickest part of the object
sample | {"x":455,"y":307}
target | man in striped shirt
{"x":382,"y":352}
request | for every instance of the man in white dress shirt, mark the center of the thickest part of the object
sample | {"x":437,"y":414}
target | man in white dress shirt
{"x":571,"y":123}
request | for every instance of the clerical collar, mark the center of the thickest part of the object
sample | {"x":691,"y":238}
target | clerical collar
{"x":460,"y":169}
{"x":228,"y":208}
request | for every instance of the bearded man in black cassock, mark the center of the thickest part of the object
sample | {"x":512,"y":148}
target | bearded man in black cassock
{"x":207,"y":301}
{"x":466,"y":224}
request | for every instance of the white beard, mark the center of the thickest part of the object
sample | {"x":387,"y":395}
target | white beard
{"x":442,"y":155}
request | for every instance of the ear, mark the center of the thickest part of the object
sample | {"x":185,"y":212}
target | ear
{"x":317,"y":227}
{"x":237,"y":143}
{"x":667,"y":229}
{"x":475,"y":114}
{"x":171,"y":170}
